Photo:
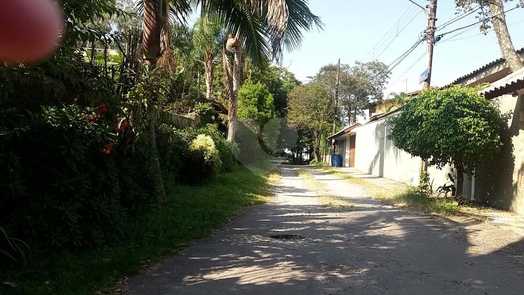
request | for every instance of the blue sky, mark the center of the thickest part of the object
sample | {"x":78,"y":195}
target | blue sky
{"x":354,"y":30}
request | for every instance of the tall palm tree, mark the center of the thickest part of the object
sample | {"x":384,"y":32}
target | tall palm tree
{"x":157,"y":51}
{"x":207,"y":40}
{"x":261,"y":29}
{"x":158,"y":16}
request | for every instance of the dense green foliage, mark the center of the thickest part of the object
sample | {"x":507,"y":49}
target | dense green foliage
{"x":454,"y":125}
{"x":279,"y":81}
{"x":150,"y":237}
{"x":311,"y":108}
{"x":358,"y":86}
{"x":255,"y":103}
{"x":93,"y":137}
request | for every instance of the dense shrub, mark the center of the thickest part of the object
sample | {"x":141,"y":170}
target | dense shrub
{"x":228,"y":152}
{"x":193,"y":155}
{"x":63,"y":79}
{"x":65,"y":181}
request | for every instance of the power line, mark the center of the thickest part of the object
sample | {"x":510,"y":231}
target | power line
{"x":385,"y":35}
{"x":401,"y":58}
{"x":454,"y":38}
{"x":393,"y":33}
{"x":404,"y":55}
{"x":457,"y":18}
{"x":420,"y":6}
{"x":476,"y":23}
{"x":398,"y":34}
{"x":414,"y":63}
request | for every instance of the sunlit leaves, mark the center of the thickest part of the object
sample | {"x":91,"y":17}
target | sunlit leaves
{"x":452,"y":125}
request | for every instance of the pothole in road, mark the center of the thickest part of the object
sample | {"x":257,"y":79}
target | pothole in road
{"x":287,"y":237}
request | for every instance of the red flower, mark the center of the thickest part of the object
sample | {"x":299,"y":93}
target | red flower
{"x":123,"y":125}
{"x":107,"y":149}
{"x":92,"y":118}
{"x":102,"y":109}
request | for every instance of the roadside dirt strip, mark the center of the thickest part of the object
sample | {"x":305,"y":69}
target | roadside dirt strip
{"x":298,"y":244}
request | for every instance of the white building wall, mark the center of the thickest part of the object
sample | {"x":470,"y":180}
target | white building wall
{"x":377,"y":155}
{"x":368,"y":146}
{"x":398,"y":164}
{"x":510,"y":104}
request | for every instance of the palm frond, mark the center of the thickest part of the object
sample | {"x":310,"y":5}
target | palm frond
{"x":241,"y":20}
{"x":286,"y":22}
{"x":178,"y":10}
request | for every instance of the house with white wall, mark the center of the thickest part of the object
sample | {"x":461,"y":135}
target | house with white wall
{"x":500,"y":183}
{"x":369,"y":148}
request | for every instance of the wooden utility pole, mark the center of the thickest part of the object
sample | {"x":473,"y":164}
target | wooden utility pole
{"x":430,"y":38}
{"x":337,"y":86}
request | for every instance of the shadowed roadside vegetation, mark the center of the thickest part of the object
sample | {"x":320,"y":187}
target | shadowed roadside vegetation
{"x":190,"y":213}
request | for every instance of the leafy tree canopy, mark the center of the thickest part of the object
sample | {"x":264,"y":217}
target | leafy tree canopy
{"x":255,"y":102}
{"x":279,"y":81}
{"x":360,"y":85}
{"x":455,"y":125}
{"x":310,"y":108}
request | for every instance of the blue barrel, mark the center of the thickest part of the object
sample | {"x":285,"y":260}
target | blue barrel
{"x":336,"y":160}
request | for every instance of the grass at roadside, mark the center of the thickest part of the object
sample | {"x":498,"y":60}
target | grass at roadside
{"x":192,"y":212}
{"x":402,"y":195}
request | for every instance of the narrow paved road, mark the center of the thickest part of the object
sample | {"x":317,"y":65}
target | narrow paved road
{"x":296,"y":245}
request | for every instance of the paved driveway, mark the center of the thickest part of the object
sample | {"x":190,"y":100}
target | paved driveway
{"x":297,"y":245}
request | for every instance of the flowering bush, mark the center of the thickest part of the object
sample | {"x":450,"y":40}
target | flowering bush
{"x":205,"y":144}
{"x":205,"y":156}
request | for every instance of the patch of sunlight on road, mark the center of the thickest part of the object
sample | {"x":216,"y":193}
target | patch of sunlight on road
{"x":390,"y":230}
{"x":278,"y":273}
{"x":485,"y":239}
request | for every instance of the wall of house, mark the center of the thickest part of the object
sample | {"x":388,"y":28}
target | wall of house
{"x":518,"y":145}
{"x":500,"y":182}
{"x":398,"y":164}
{"x":515,"y":105}
{"x":370,"y":148}
{"x":346,"y":152}
{"x":377,"y":155}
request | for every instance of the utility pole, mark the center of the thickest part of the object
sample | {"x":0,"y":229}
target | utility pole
{"x":430,"y":38}
{"x":337,"y":86}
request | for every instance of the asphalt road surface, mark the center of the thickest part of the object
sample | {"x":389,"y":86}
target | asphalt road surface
{"x":297,"y":245}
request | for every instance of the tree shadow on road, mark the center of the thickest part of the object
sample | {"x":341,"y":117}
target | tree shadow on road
{"x":366,"y":249}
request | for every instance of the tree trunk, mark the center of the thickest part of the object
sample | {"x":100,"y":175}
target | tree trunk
{"x":233,"y":106}
{"x":317,"y":140}
{"x":152,"y":31}
{"x":498,"y":20}
{"x":318,"y":154}
{"x":106,"y":57}
{"x":208,"y":69}
{"x":261,"y":141}
{"x":155,"y":168}
{"x":228,"y":81}
{"x":235,"y":75}
{"x":151,"y":46}
{"x":459,"y":185}
{"x":167,"y":60}
{"x":93,"y":52}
